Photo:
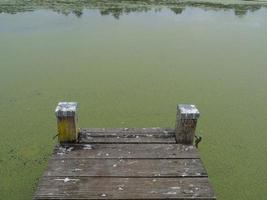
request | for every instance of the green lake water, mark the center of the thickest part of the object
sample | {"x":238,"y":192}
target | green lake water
{"x":129,"y":68}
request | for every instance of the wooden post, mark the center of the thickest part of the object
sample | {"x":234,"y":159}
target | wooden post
{"x":186,"y":122}
{"x":66,"y":121}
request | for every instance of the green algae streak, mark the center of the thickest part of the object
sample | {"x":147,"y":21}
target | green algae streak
{"x":128,"y":63}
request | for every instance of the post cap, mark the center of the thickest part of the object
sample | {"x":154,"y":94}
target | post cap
{"x":188,"y":111}
{"x":66,"y":109}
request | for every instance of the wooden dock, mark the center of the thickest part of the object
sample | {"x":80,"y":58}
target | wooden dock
{"x":125,"y":163}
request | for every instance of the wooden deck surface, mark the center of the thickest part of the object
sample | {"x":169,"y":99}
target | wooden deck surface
{"x":124,"y":163}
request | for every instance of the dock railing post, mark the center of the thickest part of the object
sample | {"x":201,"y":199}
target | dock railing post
{"x":66,"y":113}
{"x":186,"y":122}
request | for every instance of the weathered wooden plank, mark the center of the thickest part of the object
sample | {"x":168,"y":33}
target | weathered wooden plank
{"x":155,"y":130}
{"x":133,"y":151}
{"x":122,"y":137}
{"x":127,"y":135}
{"x":120,"y":140}
{"x":125,"y":163}
{"x":127,"y":168}
{"x":123,"y":188}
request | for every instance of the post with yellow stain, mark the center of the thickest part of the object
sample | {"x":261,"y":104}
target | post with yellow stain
{"x":66,"y":113}
{"x":186,"y":123}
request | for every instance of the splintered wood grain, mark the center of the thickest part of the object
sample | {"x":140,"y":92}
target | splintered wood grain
{"x":134,"y":151}
{"x":123,"y":188}
{"x":127,"y":168}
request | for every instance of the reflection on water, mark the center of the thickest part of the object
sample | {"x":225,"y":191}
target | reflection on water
{"x":119,"y":7}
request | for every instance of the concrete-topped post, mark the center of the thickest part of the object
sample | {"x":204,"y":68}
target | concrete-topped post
{"x":66,"y":113}
{"x":186,"y":122}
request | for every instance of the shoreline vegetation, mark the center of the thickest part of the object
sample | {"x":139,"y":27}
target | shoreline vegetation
{"x":116,"y":8}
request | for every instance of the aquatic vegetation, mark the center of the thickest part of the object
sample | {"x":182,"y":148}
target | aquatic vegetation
{"x":131,"y":72}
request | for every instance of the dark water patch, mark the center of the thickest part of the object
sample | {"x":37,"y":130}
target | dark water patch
{"x":118,"y":7}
